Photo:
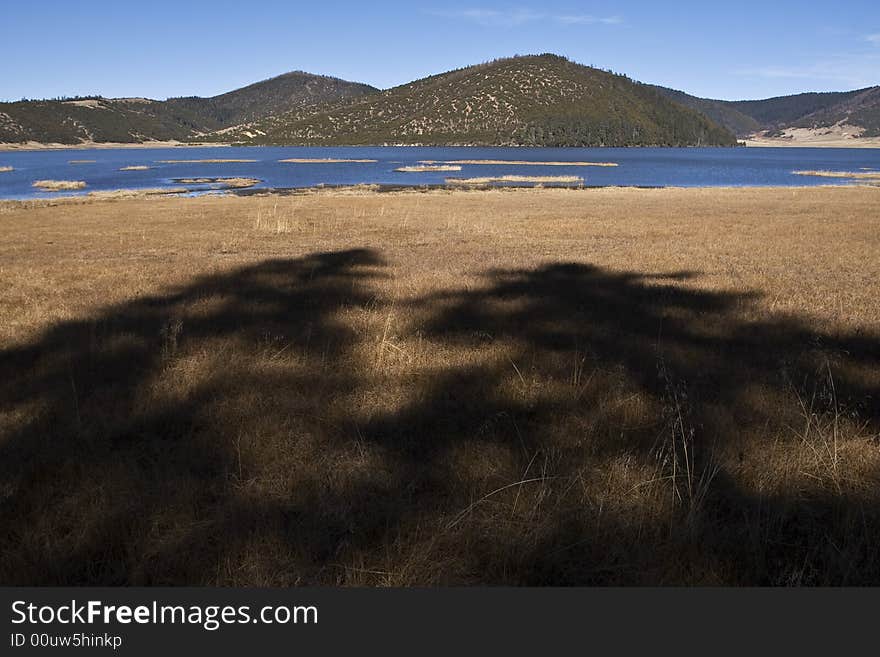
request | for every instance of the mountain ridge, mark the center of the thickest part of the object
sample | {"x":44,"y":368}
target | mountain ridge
{"x":532,"y":100}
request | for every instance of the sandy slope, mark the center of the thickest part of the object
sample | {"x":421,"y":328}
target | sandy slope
{"x":838,"y":136}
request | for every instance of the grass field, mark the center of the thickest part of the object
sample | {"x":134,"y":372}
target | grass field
{"x":609,"y":386}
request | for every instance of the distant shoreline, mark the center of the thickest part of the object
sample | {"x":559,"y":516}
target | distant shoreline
{"x":40,"y":146}
{"x":760,"y":142}
{"x":770,"y":142}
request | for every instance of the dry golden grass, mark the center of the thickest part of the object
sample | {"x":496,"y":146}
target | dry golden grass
{"x":238,"y":183}
{"x":608,"y":386}
{"x":270,"y":219}
{"x":324,"y":160}
{"x":109,"y":194}
{"x":59,"y":185}
{"x":485,"y":180}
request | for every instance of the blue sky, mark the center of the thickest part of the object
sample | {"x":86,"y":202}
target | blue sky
{"x":158,"y":49}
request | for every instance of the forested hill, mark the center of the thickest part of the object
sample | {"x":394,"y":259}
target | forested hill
{"x":297,"y":91}
{"x":130,"y":120}
{"x":859,"y":108}
{"x":541,"y":100}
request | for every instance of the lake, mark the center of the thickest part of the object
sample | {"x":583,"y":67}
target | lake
{"x":653,"y":167}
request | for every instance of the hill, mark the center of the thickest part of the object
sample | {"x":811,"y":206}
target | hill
{"x":773,"y":116}
{"x":96,"y":119}
{"x":291,"y":91}
{"x":129,"y":120}
{"x":786,"y":110}
{"x":723,"y":113}
{"x":539,"y":100}
{"x":857,"y":108}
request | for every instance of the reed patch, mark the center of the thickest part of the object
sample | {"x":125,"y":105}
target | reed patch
{"x":326,"y":160}
{"x":207,"y":161}
{"x":229,"y":183}
{"x":863,"y":174}
{"x":527,"y":163}
{"x":59,"y":185}
{"x":428,"y":167}
{"x":488,"y":180}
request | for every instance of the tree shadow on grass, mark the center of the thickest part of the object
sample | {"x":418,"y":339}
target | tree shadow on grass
{"x":125,"y":458}
{"x":573,"y":425}
{"x":588,"y":372}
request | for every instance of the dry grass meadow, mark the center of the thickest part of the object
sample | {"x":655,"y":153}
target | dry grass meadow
{"x":525,"y":387}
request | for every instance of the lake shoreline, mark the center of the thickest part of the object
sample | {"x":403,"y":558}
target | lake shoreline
{"x":281,"y":170}
{"x":368,"y":191}
{"x":102,"y":145}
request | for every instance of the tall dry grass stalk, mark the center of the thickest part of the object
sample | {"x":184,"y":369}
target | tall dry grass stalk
{"x":272,"y":221}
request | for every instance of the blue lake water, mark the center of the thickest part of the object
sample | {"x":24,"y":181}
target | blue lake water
{"x":686,"y":167}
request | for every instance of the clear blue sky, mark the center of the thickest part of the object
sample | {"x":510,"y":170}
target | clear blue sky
{"x":158,"y":48}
